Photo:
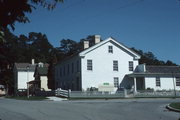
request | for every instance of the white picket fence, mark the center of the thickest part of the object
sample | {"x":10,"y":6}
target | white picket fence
{"x":157,"y":94}
{"x":96,"y":94}
{"x":62,"y":93}
{"x":118,"y":94}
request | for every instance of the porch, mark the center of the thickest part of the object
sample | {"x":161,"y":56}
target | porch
{"x":134,"y":82}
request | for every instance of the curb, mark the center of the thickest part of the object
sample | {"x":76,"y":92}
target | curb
{"x":172,"y":109}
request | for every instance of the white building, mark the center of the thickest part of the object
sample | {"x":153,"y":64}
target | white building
{"x":35,"y":74}
{"x":155,"y":77}
{"x":23,"y":73}
{"x":41,"y":79}
{"x":103,"y":65}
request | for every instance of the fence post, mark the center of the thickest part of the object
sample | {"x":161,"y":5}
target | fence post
{"x":56,"y":92}
{"x":125,"y":93}
{"x":69,"y":92}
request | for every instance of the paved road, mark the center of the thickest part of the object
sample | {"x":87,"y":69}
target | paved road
{"x":125,"y":109}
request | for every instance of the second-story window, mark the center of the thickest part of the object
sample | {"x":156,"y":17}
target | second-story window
{"x":115,"y":65}
{"x":89,"y":65}
{"x":110,"y":49}
{"x":131,"y":66}
{"x":77,"y":63}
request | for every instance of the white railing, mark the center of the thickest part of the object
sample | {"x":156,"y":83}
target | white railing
{"x":62,"y":93}
{"x":95,"y":94}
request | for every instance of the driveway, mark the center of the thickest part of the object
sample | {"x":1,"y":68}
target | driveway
{"x":119,"y":109}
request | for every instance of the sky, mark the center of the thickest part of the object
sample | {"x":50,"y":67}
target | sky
{"x":149,"y":25}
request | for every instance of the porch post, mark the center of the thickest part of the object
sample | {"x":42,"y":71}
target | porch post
{"x":135,"y":87}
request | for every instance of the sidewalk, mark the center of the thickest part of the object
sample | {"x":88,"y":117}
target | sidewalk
{"x":56,"y":99}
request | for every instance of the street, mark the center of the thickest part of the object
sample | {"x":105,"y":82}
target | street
{"x":118,"y":109}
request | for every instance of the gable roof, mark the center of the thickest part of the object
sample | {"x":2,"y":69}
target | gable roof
{"x":110,"y":39}
{"x":42,"y":70}
{"x":23,"y":66}
{"x":82,"y":52}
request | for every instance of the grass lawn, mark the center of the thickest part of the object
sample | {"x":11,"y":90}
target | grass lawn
{"x":175,"y":105}
{"x":25,"y":98}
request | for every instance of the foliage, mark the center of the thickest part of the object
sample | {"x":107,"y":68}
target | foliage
{"x":12,"y":11}
{"x":21,"y":49}
{"x":68,"y":46}
{"x":149,"y":59}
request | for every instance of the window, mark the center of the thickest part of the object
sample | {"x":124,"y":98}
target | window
{"x":89,"y":64}
{"x":116,"y":82}
{"x":177,"y":81}
{"x":115,"y":65}
{"x":131,"y":68}
{"x":68,"y":70}
{"x":158,"y":82}
{"x":72,"y":67}
{"x":110,"y":49}
{"x":57,"y":72}
{"x":60,"y":72}
{"x":64,"y":72}
{"x":77,"y":63}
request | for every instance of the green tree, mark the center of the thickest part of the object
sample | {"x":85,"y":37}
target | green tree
{"x":12,"y":11}
{"x":150,"y":59}
{"x":68,"y":47}
{"x":39,"y":47}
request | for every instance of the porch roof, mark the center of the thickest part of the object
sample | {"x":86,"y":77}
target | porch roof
{"x":160,"y":71}
{"x":163,"y":69}
{"x":144,"y":74}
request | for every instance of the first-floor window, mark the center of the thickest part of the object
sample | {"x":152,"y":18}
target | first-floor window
{"x":60,"y":72}
{"x":116,"y":81}
{"x":158,"y":82}
{"x":177,"y":81}
{"x":72,"y":68}
{"x":89,"y":65}
{"x":68,"y":69}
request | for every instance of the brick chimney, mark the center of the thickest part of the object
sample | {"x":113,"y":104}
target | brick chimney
{"x":86,"y":44}
{"x":97,"y":39}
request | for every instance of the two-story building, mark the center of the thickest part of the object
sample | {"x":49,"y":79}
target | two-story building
{"x":103,"y":66}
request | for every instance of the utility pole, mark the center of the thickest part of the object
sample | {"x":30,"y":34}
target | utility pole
{"x":174,"y":85}
{"x":27,"y":68}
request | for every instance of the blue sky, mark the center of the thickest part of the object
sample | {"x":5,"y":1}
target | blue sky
{"x":149,"y":25}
